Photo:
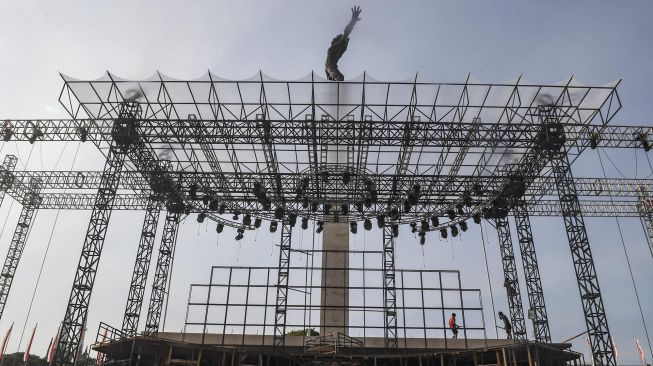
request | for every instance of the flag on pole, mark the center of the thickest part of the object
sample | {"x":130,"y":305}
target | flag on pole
{"x":614,"y":347}
{"x":53,"y":347}
{"x":29,"y":345}
{"x":5,"y":341}
{"x":99,"y":355}
{"x":641,"y":352}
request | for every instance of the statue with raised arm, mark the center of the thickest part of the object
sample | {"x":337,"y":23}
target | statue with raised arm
{"x":339,"y":46}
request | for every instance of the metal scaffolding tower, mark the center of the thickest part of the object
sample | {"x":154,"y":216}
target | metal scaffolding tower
{"x":281,"y":307}
{"x":389,"y":288}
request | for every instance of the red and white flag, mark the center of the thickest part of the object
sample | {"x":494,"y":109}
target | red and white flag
{"x":29,"y":345}
{"x":641,"y":352}
{"x":5,"y":341}
{"x":53,"y":347}
{"x":614,"y":348}
{"x":99,"y":355}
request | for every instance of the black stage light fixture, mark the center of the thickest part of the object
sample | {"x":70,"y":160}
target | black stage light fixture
{"x":344,"y":208}
{"x":236,"y":213}
{"x":459,"y":207}
{"x":305,"y":203}
{"x":267,"y":204}
{"x":394,"y":214}
{"x":200,"y":217}
{"x":305,"y":183}
{"x":463,"y":226}
{"x":327,"y":208}
{"x":257,"y":222}
{"x":367,"y":224}
{"x":346,"y":177}
{"x":214,"y":204}
{"x":325,"y":176}
{"x":451,"y":214}
{"x":320,"y":227}
{"x":380,"y":221}
{"x":222,"y":209}
{"x":454,"y":231}
{"x":292,"y":219}
{"x":422,"y":237}
{"x":240,"y":235}
{"x":443,"y":233}
{"x":368,"y":202}
{"x":314,"y":207}
{"x":435,"y":221}
{"x":304,"y":223}
{"x":353,"y":227}
{"x":369,"y":185}
{"x":247,"y":219}
{"x":413,"y":227}
{"x":477,"y":189}
{"x":417,"y":188}
{"x":594,"y":140}
{"x":477,"y":218}
{"x":219,"y":227}
{"x":273,"y":226}
{"x":192,"y":191}
{"x":359,"y":207}
{"x":395,"y":230}
{"x":374,"y":196}
{"x":206,"y":199}
{"x":83,"y":134}
{"x":278,"y":213}
{"x":406,"y":206}
{"x":425,"y":225}
{"x":187,"y":209}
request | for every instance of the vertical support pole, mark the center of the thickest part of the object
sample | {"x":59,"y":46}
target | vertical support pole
{"x":531,"y":272}
{"x":31,"y":202}
{"x":7,"y":179}
{"x":588,"y":283}
{"x":141,"y":268}
{"x":80,"y":295}
{"x":162,"y":273}
{"x":281,"y":306}
{"x":511,"y":281}
{"x":389,"y":289}
{"x":646,"y":212}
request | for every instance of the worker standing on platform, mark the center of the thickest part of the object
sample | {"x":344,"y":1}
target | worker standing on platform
{"x":506,"y":325}
{"x":453,"y":326}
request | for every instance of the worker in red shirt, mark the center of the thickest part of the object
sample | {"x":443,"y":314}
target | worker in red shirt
{"x":453,"y":326}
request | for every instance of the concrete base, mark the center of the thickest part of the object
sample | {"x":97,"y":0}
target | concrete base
{"x":334,"y":316}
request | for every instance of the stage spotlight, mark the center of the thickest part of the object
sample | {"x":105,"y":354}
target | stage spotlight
{"x":422,"y":237}
{"x":395,"y":230}
{"x":594,"y":140}
{"x":406,"y":206}
{"x":219,"y":227}
{"x":367,"y":224}
{"x":477,"y":218}
{"x":413,"y":227}
{"x":200,"y":217}
{"x":451,"y":214}
{"x":443,"y":233}
{"x":214,"y":205}
{"x":278,"y":213}
{"x":247,"y":219}
{"x":425,"y":225}
{"x":273,"y":226}
{"x":304,"y":223}
{"x":320,"y":227}
{"x":292,"y":219}
{"x":222,"y":209}
{"x":454,"y":231}
{"x":327,"y":208}
{"x":257,"y":222}
{"x":463,"y":226}
{"x":192,"y":191}
{"x":236,"y":213}
{"x":380,"y":221}
{"x":359,"y":206}
{"x":435,"y":221}
{"x":394,"y":214}
{"x":353,"y":227}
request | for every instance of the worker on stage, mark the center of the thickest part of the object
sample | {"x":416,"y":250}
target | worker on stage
{"x":506,"y":324}
{"x":453,"y":326}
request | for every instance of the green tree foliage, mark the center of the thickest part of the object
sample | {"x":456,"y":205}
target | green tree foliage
{"x":304,"y":332}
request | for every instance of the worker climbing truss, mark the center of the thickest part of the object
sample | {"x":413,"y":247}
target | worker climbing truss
{"x":434,"y":156}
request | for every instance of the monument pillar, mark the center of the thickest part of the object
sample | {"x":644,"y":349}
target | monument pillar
{"x":334,"y":299}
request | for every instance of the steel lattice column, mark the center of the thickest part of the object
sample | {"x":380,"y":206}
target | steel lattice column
{"x":141,"y":268}
{"x":511,"y":281}
{"x":389,"y":289}
{"x":72,"y":326}
{"x":646,"y":212}
{"x":588,"y":283}
{"x":30,"y":205}
{"x":7,"y":178}
{"x":162,"y":273}
{"x":531,"y":272}
{"x":282,"y":286}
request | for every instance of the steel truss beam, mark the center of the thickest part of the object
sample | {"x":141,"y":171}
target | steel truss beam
{"x":282,"y":286}
{"x":588,"y":284}
{"x":7,"y":177}
{"x":162,"y":273}
{"x":389,"y":289}
{"x":646,"y":211}
{"x":72,"y":326}
{"x":531,"y":273}
{"x":141,"y":268}
{"x":18,"y":241}
{"x":383,"y":133}
{"x":511,"y":281}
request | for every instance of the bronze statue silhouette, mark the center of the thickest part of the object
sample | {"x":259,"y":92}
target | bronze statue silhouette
{"x":339,"y":46}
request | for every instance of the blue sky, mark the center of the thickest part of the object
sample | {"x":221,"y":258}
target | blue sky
{"x":443,"y":41}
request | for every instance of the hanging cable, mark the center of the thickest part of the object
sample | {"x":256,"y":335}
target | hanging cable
{"x":489,"y":283}
{"x":47,"y":248}
{"x":630,"y":269}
